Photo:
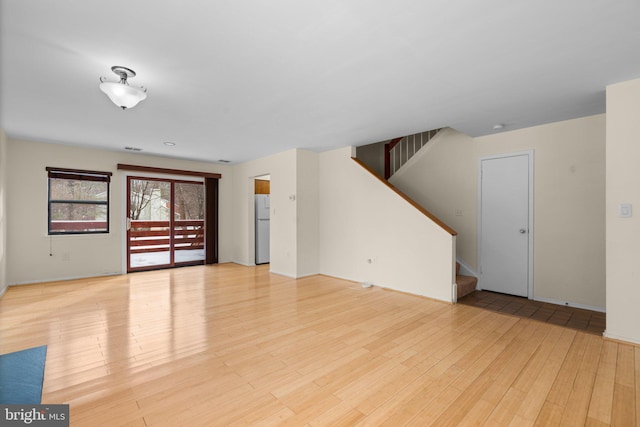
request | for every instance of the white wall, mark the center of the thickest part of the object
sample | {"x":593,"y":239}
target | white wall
{"x":622,"y":243}
{"x":442,"y":178}
{"x":3,"y":213}
{"x":81,"y":255}
{"x":569,"y":197}
{"x":308,"y":205}
{"x":294,"y":212}
{"x":283,"y":241}
{"x":361,"y":219}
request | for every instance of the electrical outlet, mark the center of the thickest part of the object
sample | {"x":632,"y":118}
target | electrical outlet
{"x":624,"y":210}
{"x":66,"y":256}
{"x":458,"y":212}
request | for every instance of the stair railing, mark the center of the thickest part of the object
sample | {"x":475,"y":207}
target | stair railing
{"x":399,"y":150}
{"x":388,"y":147}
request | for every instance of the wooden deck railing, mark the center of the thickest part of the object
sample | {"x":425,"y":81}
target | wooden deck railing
{"x":87,"y":226}
{"x":155,"y":236}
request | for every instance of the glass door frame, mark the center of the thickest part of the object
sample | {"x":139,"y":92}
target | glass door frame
{"x":172,"y":223}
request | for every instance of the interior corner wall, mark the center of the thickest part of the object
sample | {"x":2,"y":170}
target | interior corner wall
{"x":622,"y":243}
{"x":283,"y":228}
{"x":368,"y":233}
{"x":36,"y":257}
{"x":373,"y":156}
{"x":569,"y":200}
{"x":3,"y":213}
{"x":307,"y":216}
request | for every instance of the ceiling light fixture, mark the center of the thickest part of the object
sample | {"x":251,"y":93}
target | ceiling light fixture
{"x":169,"y":143}
{"x":498,"y":126}
{"x":120,"y":93}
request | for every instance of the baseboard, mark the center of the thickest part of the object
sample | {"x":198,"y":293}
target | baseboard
{"x":290,"y":276}
{"x":571,"y":304}
{"x":306,"y":275}
{"x":242,"y":264}
{"x":3,"y":291}
{"x":61,"y":279}
{"x":614,"y":337}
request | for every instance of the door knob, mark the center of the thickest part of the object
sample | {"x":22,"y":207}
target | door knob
{"x":522,"y":231}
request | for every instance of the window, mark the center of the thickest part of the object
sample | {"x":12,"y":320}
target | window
{"x":78,"y":201}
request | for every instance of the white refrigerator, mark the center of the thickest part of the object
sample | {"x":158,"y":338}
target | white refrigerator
{"x":262,"y":228}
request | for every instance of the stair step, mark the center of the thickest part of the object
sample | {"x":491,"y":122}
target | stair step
{"x":465,"y":285}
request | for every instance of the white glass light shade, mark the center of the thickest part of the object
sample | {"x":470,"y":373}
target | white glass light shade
{"x":123,"y":95}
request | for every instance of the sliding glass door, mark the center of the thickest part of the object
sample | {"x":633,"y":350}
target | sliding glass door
{"x":188,"y":224}
{"x":165,"y":224}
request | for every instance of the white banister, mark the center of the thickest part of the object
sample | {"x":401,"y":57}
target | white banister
{"x":407,"y":147}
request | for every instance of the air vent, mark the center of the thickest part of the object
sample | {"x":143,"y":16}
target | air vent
{"x":133,"y":148}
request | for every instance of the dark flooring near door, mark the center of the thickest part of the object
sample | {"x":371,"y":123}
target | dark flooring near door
{"x":576,"y":318}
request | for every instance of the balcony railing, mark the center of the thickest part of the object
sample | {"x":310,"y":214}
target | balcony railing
{"x":155,"y":236}
{"x":79,"y":226}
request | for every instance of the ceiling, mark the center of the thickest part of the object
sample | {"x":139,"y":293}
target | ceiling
{"x":242,"y":79}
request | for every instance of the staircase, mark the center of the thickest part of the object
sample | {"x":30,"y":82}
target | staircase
{"x":399,"y":150}
{"x":396,"y":153}
{"x":464,"y":284}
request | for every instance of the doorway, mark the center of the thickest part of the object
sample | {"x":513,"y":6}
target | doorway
{"x":506,"y":224}
{"x":165,"y":223}
{"x":262,"y":218}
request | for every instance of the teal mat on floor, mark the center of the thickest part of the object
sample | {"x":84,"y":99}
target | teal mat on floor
{"x":21,"y":376}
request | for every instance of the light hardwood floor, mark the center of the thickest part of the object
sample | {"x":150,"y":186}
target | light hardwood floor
{"x":232,"y":345}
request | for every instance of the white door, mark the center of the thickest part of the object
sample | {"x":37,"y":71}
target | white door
{"x":505,"y":222}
